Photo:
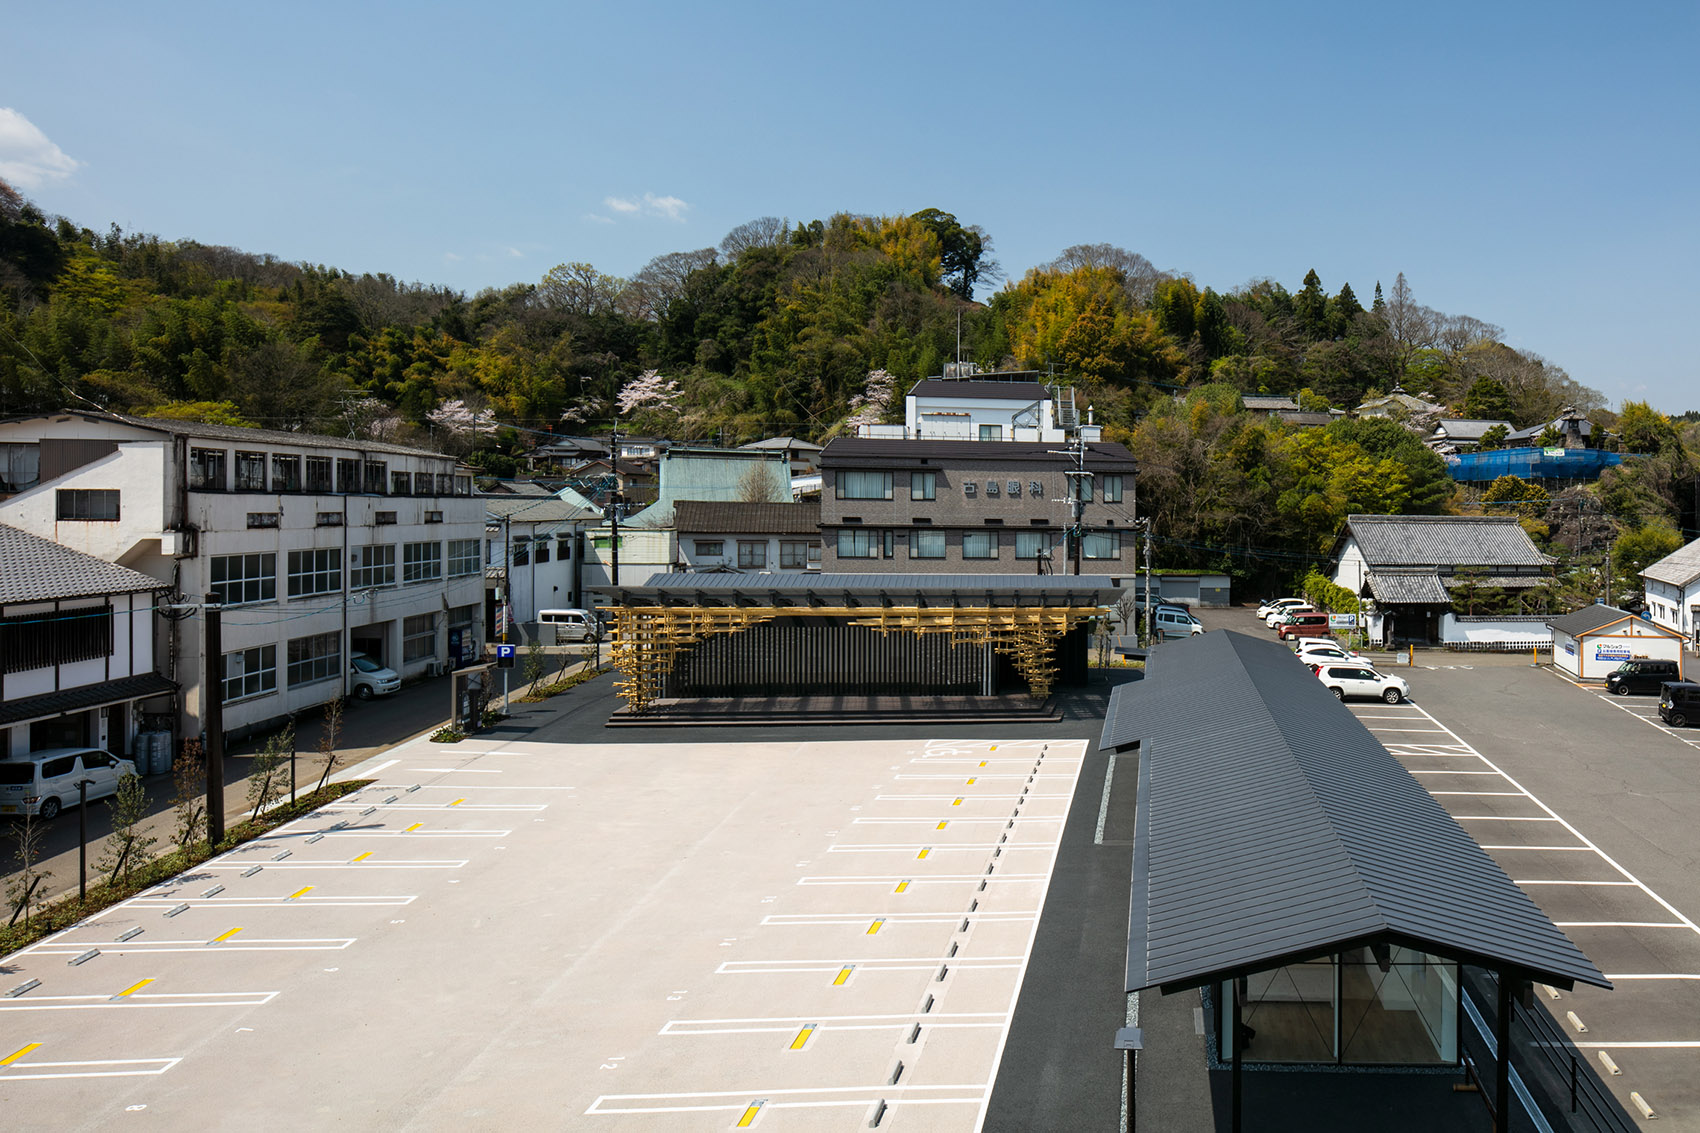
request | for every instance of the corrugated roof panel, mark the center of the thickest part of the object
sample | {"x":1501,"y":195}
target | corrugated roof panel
{"x":1444,"y":540}
{"x":1273,"y":826}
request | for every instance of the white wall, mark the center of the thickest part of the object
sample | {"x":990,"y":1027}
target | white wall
{"x":1674,"y":606}
{"x":1350,"y":571}
{"x":1525,"y":632}
{"x":1593,"y":656}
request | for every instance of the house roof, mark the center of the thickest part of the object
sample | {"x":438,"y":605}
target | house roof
{"x":1592,"y":619}
{"x":1409,"y":588}
{"x":1466,"y":428}
{"x":84,"y":697}
{"x":1305,"y":420}
{"x":1023,"y":391}
{"x":1444,"y":540}
{"x":1273,"y":827}
{"x":536,"y":509}
{"x":1585,"y":428}
{"x":729,"y":518}
{"x":1270,"y":402}
{"x":793,"y":444}
{"x":1679,"y":568}
{"x":40,"y":570}
{"x":877,"y":452}
{"x":802,"y":587}
{"x":237,"y":434}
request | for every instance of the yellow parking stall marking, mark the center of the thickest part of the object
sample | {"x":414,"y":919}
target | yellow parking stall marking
{"x":901,"y":886}
{"x":994,"y":747}
{"x":802,"y":1037}
{"x":234,"y":931}
{"x":925,"y":850}
{"x":875,"y":927}
{"x":970,"y":782}
{"x":135,"y":987}
{"x":958,"y":802}
{"x":457,"y":802}
{"x":749,"y":1115}
{"x":17,"y":1054}
{"x":412,"y":828}
{"x":943,"y":822}
{"x":301,"y":892}
{"x":362,"y":857}
{"x":982,"y":763}
{"x":843,"y":975}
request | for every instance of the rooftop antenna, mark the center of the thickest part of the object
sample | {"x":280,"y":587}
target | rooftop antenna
{"x":959,"y":335}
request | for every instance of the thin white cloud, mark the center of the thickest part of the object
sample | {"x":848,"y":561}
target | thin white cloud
{"x":665,"y":208}
{"x":27,"y":158}
{"x":598,"y":218}
{"x":515,"y":254}
{"x":452,"y":257}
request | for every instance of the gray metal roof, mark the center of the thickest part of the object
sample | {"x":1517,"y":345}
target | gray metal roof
{"x":1273,"y":827}
{"x":535,"y":509}
{"x":1679,"y":568}
{"x":1590,"y":618}
{"x":1394,"y":586}
{"x":1255,"y":401}
{"x":1466,"y":428}
{"x":1024,"y":391}
{"x":880,"y":452}
{"x":968,"y":589}
{"x":1444,"y":540}
{"x":123,"y":689}
{"x":790,"y":443}
{"x":239,"y":434}
{"x":40,"y":570}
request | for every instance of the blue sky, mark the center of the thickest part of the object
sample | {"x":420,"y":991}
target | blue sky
{"x":1532,"y":165}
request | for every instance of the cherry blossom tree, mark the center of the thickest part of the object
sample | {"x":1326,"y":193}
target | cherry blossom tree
{"x":649,"y":390}
{"x":871,"y":405}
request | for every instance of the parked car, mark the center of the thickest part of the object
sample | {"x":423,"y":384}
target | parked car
{"x":1361,"y":680}
{"x":44,"y":782}
{"x":1303,"y":625}
{"x":572,"y":625}
{"x":1274,"y":620}
{"x":1172,"y":621}
{"x":1679,"y":702}
{"x":1312,"y":650}
{"x":1643,"y":676}
{"x":1275,"y":604}
{"x":372,"y":679}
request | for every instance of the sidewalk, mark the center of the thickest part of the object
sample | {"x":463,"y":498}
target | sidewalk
{"x":369,"y":728}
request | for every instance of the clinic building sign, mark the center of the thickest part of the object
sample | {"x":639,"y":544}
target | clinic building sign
{"x":1589,"y":643}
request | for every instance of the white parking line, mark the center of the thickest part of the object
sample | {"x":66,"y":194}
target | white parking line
{"x":861,"y":1096}
{"x":132,"y":1003}
{"x":160,"y":1066}
{"x":892,"y":920}
{"x":935,"y":879}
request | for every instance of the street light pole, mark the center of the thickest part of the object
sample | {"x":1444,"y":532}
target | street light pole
{"x":83,"y":838}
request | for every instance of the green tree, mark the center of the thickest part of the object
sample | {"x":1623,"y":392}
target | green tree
{"x":1641,"y":547}
{"x":1516,"y":495}
{"x":1487,"y":400}
{"x":963,"y":252}
{"x":127,"y":847}
{"x":1493,"y":437}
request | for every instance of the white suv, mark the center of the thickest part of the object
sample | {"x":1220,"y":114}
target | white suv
{"x":1355,"y":678}
{"x":44,"y":782}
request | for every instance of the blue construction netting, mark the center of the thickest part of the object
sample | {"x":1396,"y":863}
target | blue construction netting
{"x":1532,"y":464}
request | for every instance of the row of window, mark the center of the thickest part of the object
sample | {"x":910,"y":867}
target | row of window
{"x":318,"y":657}
{"x":862,"y":543}
{"x":242,"y":579}
{"x":794,"y":554}
{"x":525,"y":546}
{"x":924,"y":485}
{"x":209,"y":471}
{"x":38,"y":641}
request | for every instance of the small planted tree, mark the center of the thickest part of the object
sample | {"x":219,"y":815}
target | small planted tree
{"x":27,"y":889}
{"x":189,"y":777}
{"x":126,"y":848}
{"x":536,"y":664}
{"x":267,"y":778}
{"x":329,"y":739}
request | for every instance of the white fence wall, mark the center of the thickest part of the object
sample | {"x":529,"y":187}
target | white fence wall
{"x":1491,"y":634}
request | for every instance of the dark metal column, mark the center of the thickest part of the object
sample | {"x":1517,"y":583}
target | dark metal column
{"x":1502,"y":1066}
{"x":1238,"y":1040}
{"x":212,"y":719}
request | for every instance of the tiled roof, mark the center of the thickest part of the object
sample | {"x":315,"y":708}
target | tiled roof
{"x":716,"y":517}
{"x":40,"y":570}
{"x":1414,"y":588}
{"x":1444,"y":540}
{"x":1679,"y":568}
{"x":1466,"y":429}
{"x":864,"y":452}
{"x":1267,"y":402}
{"x":1025,"y":392}
{"x":1273,"y":827}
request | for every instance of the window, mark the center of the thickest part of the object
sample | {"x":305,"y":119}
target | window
{"x":462,"y":485}
{"x":864,"y":485}
{"x":401,"y":484}
{"x":286,"y":473}
{"x":35,"y":641}
{"x":250,"y":672}
{"x":539,"y":547}
{"x":563,"y":547}
{"x":1101,"y":545}
{"x":250,"y":472}
{"x":1035,"y":490}
{"x":979,"y":544}
{"x":86,"y":503}
{"x":240,"y":579}
{"x":858,"y":544}
{"x":714,"y":547}
{"x":206,"y":469}
{"x":262,"y":519}
{"x":20,"y":466}
{"x":991,"y":432}
{"x":328,"y":519}
{"x":375,"y":477}
{"x":1013,"y":489}
{"x":437,"y":517}
{"x":446,"y":483}
{"x":797,"y":554}
{"x":923,"y":485}
{"x":418,"y":638}
{"x":522,"y":550}
{"x":1085,"y":489}
{"x":991,"y":489}
{"x":318,"y":474}
{"x":752,"y":555}
{"x":374,"y":565}
{"x":1111,"y":489}
{"x":926,"y":544}
{"x":968,"y":489}
{"x":315,"y":658}
{"x":317,"y":570}
{"x":464,"y":557}
{"x":383,"y":518}
{"x":347,"y":475}
{"x":421,"y":562}
{"x":1030,"y":545}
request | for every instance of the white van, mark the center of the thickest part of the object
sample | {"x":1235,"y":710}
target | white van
{"x":572,"y":625}
{"x":44,"y":782}
{"x":1172,"y":622}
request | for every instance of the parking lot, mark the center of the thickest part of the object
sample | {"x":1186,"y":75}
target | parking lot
{"x":1593,"y":806}
{"x":795,"y":935}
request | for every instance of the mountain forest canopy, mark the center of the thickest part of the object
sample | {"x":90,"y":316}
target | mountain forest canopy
{"x":790,"y":328}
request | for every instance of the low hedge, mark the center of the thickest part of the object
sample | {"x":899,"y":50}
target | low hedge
{"x":68,"y":909}
{"x":544,"y":692}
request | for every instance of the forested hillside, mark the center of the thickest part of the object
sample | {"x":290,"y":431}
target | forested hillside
{"x":790,"y":328}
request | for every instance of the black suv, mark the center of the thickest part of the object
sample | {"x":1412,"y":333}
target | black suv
{"x":1641,"y":676}
{"x":1679,"y":702}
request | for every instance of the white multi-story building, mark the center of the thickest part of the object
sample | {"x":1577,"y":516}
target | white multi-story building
{"x":316,"y":547}
{"x":967,"y":405}
{"x":1673,"y":591}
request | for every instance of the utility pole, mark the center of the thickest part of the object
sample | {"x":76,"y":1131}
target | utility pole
{"x":1146,"y":523}
{"x":614,"y":502}
{"x":212,"y":719}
